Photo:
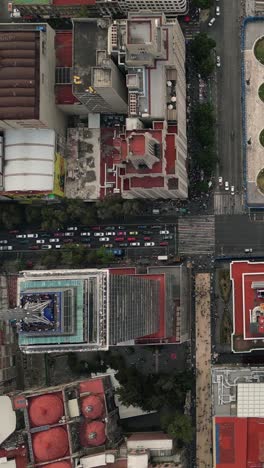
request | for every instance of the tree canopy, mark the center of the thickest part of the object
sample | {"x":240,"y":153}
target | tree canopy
{"x":203,"y":4}
{"x":178,"y":426}
{"x":201,"y":50}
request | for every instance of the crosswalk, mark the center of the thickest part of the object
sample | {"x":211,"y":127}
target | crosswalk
{"x":225,"y":203}
{"x":196,"y":235}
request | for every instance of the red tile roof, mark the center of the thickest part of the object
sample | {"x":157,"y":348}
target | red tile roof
{"x":19,"y":75}
{"x":64,"y":94}
{"x":239,"y":442}
{"x":63,"y":46}
{"x":243,"y":273}
{"x":137,"y":145}
{"x":147,"y":182}
{"x":170,"y":154}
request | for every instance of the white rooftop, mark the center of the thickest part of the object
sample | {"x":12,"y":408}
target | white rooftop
{"x":29,"y":160}
{"x":250,"y":400}
{"x":7,"y":420}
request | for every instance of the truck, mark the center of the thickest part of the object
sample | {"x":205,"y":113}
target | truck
{"x":163,"y":257}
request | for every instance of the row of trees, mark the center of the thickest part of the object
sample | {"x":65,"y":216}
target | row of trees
{"x":204,"y":132}
{"x":77,"y":256}
{"x":202,"y":53}
{"x":203,"y":4}
{"x":53,"y":217}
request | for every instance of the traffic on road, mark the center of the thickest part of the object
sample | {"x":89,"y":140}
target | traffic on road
{"x":118,"y":238}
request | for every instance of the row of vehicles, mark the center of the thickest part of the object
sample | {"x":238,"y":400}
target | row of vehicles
{"x":107,"y":236}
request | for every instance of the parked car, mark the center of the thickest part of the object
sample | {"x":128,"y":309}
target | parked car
{"x":133,"y":233}
{"x":58,"y":246}
{"x":217,"y":10}
{"x":142,"y":227}
{"x":119,"y":239}
{"x":34,"y":247}
{"x":110,"y":228}
{"x":121,"y":233}
{"x":226,"y":185}
{"x":165,"y":232}
{"x":85,"y":234}
{"x":248,"y":250}
{"x":131,"y":239}
{"x":218,"y":61}
{"x":14,"y":231}
{"x":54,"y":241}
{"x":6,"y":247}
{"x":135,"y":244}
{"x":232,"y":190}
{"x":104,"y":239}
{"x":147,"y":232}
{"x":32,"y":236}
{"x":220,"y":180}
{"x":149,"y":244}
{"x":46,"y":234}
{"x":156,"y":227}
{"x":85,"y":239}
{"x":67,"y":241}
{"x":40,"y":241}
{"x":59,"y":234}
{"x":96,"y":228}
{"x":147,"y":238}
{"x":168,"y":237}
{"x":110,"y":233}
{"x":68,"y":234}
{"x":3,"y":241}
{"x":211,"y":22}
{"x":21,"y":236}
{"x":46,"y":246}
{"x":72,"y":228}
{"x":121,"y":227}
{"x":108,"y":246}
{"x":99,"y":234}
{"x":125,"y":244}
{"x":163,"y":243}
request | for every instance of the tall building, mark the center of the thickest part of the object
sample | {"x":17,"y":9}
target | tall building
{"x":97,"y":81}
{"x":92,"y":310}
{"x":27,"y":78}
{"x":82,"y":310}
{"x":113,"y":8}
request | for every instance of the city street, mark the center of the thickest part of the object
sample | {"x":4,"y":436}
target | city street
{"x":226,"y":32}
{"x":236,"y":233}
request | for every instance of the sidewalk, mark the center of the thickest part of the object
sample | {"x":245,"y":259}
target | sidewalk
{"x":203,"y":371}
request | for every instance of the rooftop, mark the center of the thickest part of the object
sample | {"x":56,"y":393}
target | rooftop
{"x":19,"y":74}
{"x":248,"y":308}
{"x":238,"y":442}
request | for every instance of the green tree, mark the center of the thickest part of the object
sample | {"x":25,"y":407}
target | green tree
{"x":207,"y":66}
{"x":204,"y":121}
{"x":203,"y":4}
{"x":74,"y":255}
{"x":201,"y":47}
{"x":78,"y":211}
{"x":201,"y":50}
{"x":179,"y":426}
{"x":33,"y":214}
{"x":53,"y":218}
{"x":11,"y":215}
{"x":109,"y":207}
{"x":105,"y":256}
{"x":51,"y":259}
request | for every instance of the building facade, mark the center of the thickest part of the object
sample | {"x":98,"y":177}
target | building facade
{"x":112,"y":8}
{"x":85,"y":310}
